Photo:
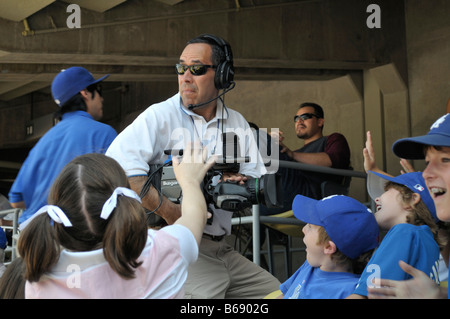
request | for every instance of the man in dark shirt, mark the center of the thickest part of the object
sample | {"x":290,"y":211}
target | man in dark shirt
{"x":329,"y":151}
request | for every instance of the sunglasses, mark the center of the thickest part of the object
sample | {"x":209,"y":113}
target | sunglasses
{"x":95,"y":87}
{"x":195,"y":69}
{"x":304,"y":117}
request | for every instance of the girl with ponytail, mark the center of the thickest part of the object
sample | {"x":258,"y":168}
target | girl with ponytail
{"x":92,"y":239}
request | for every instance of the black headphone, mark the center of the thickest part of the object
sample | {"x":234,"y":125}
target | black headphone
{"x":225,"y":70}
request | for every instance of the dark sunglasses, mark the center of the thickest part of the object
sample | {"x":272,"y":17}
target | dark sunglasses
{"x":196,"y":69}
{"x":304,"y":117}
{"x":95,"y":87}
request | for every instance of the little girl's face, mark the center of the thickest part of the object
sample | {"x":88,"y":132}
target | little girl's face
{"x":390,"y":209}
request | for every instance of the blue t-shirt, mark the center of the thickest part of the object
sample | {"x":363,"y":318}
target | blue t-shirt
{"x":414,"y":245}
{"x":313,"y":283}
{"x":76,"y":134}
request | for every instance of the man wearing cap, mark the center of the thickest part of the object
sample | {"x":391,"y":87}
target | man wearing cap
{"x":339,"y":231}
{"x":78,"y":96}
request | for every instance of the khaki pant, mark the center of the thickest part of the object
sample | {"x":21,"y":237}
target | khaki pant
{"x":221,"y":272}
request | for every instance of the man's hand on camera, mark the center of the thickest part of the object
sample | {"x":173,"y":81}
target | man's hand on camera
{"x":233,"y":177}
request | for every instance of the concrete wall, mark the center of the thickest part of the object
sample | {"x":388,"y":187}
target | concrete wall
{"x":428,"y":54}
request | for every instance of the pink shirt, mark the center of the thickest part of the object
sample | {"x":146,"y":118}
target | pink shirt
{"x":165,"y":258}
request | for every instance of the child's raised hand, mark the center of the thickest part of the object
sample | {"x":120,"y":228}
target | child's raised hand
{"x":369,"y":155}
{"x":190,"y":171}
{"x":193,"y":166}
{"x":407,"y":167}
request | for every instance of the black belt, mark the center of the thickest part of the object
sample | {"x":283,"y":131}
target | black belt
{"x":213,"y":237}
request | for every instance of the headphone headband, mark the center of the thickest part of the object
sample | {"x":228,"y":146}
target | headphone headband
{"x":225,"y":70}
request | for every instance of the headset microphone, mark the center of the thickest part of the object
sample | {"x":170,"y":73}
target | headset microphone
{"x":193,"y":106}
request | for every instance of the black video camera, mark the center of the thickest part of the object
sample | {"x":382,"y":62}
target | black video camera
{"x":231,"y":196}
{"x":226,"y":195}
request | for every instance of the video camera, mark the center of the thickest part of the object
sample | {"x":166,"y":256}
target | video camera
{"x":227,"y":195}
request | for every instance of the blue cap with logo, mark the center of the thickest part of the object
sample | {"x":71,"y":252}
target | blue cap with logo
{"x":412,"y":147}
{"x":414,"y":181}
{"x":348,"y":223}
{"x":69,"y":82}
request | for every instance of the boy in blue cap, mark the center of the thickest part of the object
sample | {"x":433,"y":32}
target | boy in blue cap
{"x":340,"y":231}
{"x":78,"y":96}
{"x":434,"y":147}
{"x":406,"y":211}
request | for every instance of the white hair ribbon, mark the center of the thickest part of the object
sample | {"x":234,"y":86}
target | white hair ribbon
{"x":111,"y":203}
{"x":56,"y":214}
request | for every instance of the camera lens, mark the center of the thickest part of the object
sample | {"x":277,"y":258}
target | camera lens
{"x":267,"y":190}
{"x":232,"y":196}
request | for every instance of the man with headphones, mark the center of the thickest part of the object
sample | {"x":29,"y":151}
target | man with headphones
{"x":197,"y":113}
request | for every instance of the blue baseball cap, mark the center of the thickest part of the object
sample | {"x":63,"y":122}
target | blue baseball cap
{"x":69,"y":82}
{"x":414,"y":181}
{"x":412,"y":147}
{"x":348,"y":223}
{"x":3,"y":240}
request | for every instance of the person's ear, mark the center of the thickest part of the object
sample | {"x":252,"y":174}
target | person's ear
{"x":85,"y":94}
{"x":320,"y":122}
{"x":329,"y":248}
{"x":415,"y":199}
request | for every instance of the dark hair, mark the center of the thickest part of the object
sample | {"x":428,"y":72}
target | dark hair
{"x":12,"y":282}
{"x":218,"y":53}
{"x":75,"y":103}
{"x":317,"y":108}
{"x":80,"y":190}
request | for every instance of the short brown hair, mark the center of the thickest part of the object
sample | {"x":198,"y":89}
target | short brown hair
{"x":357,"y":265}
